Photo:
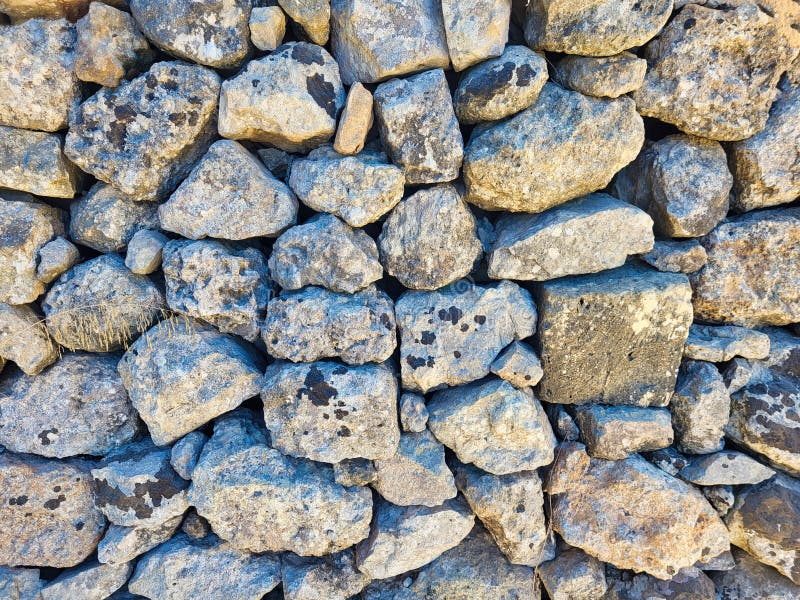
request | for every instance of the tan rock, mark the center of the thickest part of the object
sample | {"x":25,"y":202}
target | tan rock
{"x":267,"y":27}
{"x":355,"y":121}
{"x":312,"y":15}
{"x":33,"y":161}
{"x":608,"y":77}
{"x":475,"y":30}
{"x":24,"y":339}
{"x":19,"y":10}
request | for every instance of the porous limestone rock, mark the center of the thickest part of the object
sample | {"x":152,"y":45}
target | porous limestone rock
{"x":267,"y":27}
{"x":90,"y":581}
{"x":332,"y":577}
{"x":289,"y":99}
{"x":604,"y":77}
{"x":700,"y":408}
{"x":752,"y":580}
{"x":165,"y":372}
{"x":20,"y":584}
{"x":328,"y":412}
{"x":646,"y":313}
{"x":186,"y":452}
{"x":354,"y":471}
{"x":725,"y":468}
{"x":33,"y":161}
{"x":144,"y":252}
{"x":575,"y":144}
{"x":24,"y":339}
{"x":312,"y":15}
{"x":676,"y":256}
{"x":144,"y":136}
{"x":573,"y":575}
{"x":689,"y":582}
{"x":121,"y":544}
{"x":56,"y":257}
{"x":355,"y":121}
{"x":519,"y":365}
{"x":413,"y":412}
{"x":723,"y":342}
{"x":614,"y":432}
{"x":475,"y":30}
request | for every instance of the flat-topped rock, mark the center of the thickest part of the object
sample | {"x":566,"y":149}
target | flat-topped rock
{"x":722,"y":343}
{"x":676,"y":256}
{"x":475,"y":30}
{"x":91,"y":580}
{"x":725,"y":468}
{"x":604,"y":77}
{"x":519,"y":365}
{"x":614,"y":432}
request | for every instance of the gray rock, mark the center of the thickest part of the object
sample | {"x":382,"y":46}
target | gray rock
{"x":100,"y":306}
{"x":614,"y":432}
{"x":573,"y":575}
{"x":186,"y":452}
{"x":413,"y":413}
{"x":725,"y":468}
{"x":418,"y":127}
{"x":144,"y":251}
{"x":430,"y":239}
{"x":211,"y":33}
{"x":575,"y":144}
{"x":195,"y":526}
{"x":751,"y":580}
{"x":374,"y":40}
{"x":37,"y":78}
{"x":416,"y":473}
{"x":329,"y":412}
{"x":230,"y":195}
{"x":267,"y":27}
{"x":519,"y":365}
{"x":90,"y":581}
{"x":492,"y":424}
{"x":721,"y":498}
{"x":604,"y":77}
{"x":20,"y":584}
{"x":106,"y":219}
{"x":289,"y":99}
{"x":355,"y":121}
{"x":722,"y":343}
{"x":564,"y":425}
{"x":354,"y":471}
{"x":614,"y":337}
{"x":681,"y":181}
{"x":225,"y":285}
{"x":689,"y":582}
{"x":743,"y":42}
{"x":165,"y":375}
{"x":144,"y":136}
{"x":120,"y":545}
{"x":260,"y":500}
{"x":312,"y":15}
{"x":332,"y":577}
{"x":500,"y":87}
{"x":700,"y":408}
{"x":56,"y":257}
{"x":668,"y":460}
{"x":676,"y":256}
{"x":24,"y":339}
{"x":183,"y":568}
{"x":47,"y":512}
{"x":475,"y":30}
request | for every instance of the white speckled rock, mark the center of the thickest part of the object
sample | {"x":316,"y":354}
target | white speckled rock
{"x":33,"y":161}
{"x":475,"y":30}
{"x":723,"y":342}
{"x":413,"y":413}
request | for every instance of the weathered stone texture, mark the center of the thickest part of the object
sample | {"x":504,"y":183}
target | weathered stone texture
{"x":700,"y":408}
{"x":24,"y":339}
{"x":614,"y":432}
{"x":604,"y":77}
{"x":475,"y":30}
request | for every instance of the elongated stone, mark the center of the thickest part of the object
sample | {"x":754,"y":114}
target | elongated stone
{"x":676,"y":256}
{"x":722,"y":343}
{"x":90,"y":581}
{"x":604,"y":77}
{"x":700,"y":408}
{"x":121,"y":544}
{"x":355,"y":122}
{"x":614,"y":432}
{"x":725,"y":468}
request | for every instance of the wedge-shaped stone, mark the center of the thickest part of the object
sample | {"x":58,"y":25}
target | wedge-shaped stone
{"x":722,"y":343}
{"x":614,"y":432}
{"x":186,"y":452}
{"x":725,"y":468}
{"x":700,"y":408}
{"x":267,"y":27}
{"x":332,"y":577}
{"x":519,"y":365}
{"x":122,"y":544}
{"x":90,"y":581}
{"x":24,"y":339}
{"x":605,"y":77}
{"x":144,"y":252}
{"x":355,"y":122}
{"x":475,"y":30}
{"x":676,"y":256}
{"x":33,"y":161}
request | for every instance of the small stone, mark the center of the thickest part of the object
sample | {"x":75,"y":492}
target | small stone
{"x":277,"y":161}
{"x":614,"y":432}
{"x":676,"y":256}
{"x":575,"y":144}
{"x":90,"y":581}
{"x":328,"y":412}
{"x":751,"y":580}
{"x":500,"y":87}
{"x":332,"y":577}
{"x":144,"y":252}
{"x":603,"y":77}
{"x":195,"y":526}
{"x":668,"y":460}
{"x":106,"y":219}
{"x":418,"y":127}
{"x":700,"y":408}
{"x":614,"y":337}
{"x":355,"y":121}
{"x":110,"y":46}
{"x":47,"y":512}
{"x":184,"y":568}
{"x":20,"y":10}
{"x":37,"y":78}
{"x":725,"y":468}
{"x":355,"y":471}
{"x":267,"y":27}
{"x":721,"y":498}
{"x":230,"y":195}
{"x":24,"y":339}
{"x":210,"y":33}
{"x":416,"y":474}
{"x":100,"y":306}
{"x":564,"y":425}
{"x":585,"y":235}
{"x":722,"y":343}
{"x":573,"y":575}
{"x":679,"y":88}
{"x":33,"y":161}
{"x":475,"y":30}
{"x":681,"y":181}
{"x":413,"y":413}
{"x":289,"y":99}
{"x":358,"y":189}
{"x":453,"y":335}
{"x":312,"y":15}
{"x":493,"y":425}
{"x":55,"y":258}
{"x":689,"y":582}
{"x":430,"y":239}
{"x":519,"y":365}
{"x":164,"y":369}
{"x":374,"y":40}
{"x":186,"y":452}
{"x":20,"y":584}
{"x":123,"y":544}
{"x":144,"y":136}
{"x":406,"y":538}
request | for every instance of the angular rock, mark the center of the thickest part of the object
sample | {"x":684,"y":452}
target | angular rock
{"x":676,"y":256}
{"x":751,"y":580}
{"x":144,"y":252}
{"x":575,"y":144}
{"x":500,"y":87}
{"x":120,"y":545}
{"x":744,"y":43}
{"x":333,"y":577}
{"x":614,"y":432}
{"x":230,"y":195}
{"x":573,"y":575}
{"x":564,"y":425}
{"x":90,"y":581}
{"x":700,"y":408}
{"x":725,"y":468}
{"x":604,"y":77}
{"x":519,"y":365}
{"x":721,"y":498}
{"x":186,"y":452}
{"x":267,"y":27}
{"x":451,"y":336}
{"x":689,"y":582}
{"x":493,"y":425}
{"x":33,"y":161}
{"x":144,"y":136}
{"x":668,"y":460}
{"x":165,"y":373}
{"x":20,"y":584}
{"x":355,"y":121}
{"x":667,"y":524}
{"x":289,"y":99}
{"x":312,"y":15}
{"x":24,"y":339}
{"x":647,"y":314}
{"x":586,"y":235}
{"x":722,"y":343}
{"x":354,"y":471}
{"x":475,"y":30}
{"x":413,"y":413}
{"x":56,"y":257}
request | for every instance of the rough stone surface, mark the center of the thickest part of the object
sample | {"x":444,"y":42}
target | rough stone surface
{"x":20,"y":10}
{"x":475,"y":30}
{"x":721,"y":498}
{"x":751,"y":580}
{"x":312,"y":15}
{"x":722,"y":343}
{"x":614,"y":432}
{"x":144,"y":251}
{"x":689,"y":582}
{"x":573,"y":575}
{"x":519,"y":365}
{"x":700,"y":408}
{"x":186,"y":452}
{"x":332,"y":577}
{"x":355,"y":121}
{"x":676,"y":256}
{"x":267,"y":27}
{"x":24,"y":339}
{"x":90,"y":581}
{"x":195,"y":526}
{"x":668,"y":460}
{"x":354,"y":471}
{"x":725,"y":468}
{"x":605,"y":77}
{"x":120,"y":545}
{"x":33,"y":161}
{"x":413,"y":413}
{"x":20,"y":584}
{"x":56,"y":257}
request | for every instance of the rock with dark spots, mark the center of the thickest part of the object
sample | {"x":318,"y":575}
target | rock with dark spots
{"x":493,"y":425}
{"x":354,"y":471}
{"x":289,"y":99}
{"x":329,"y":412}
{"x":183,"y":568}
{"x":573,"y":575}
{"x":56,"y":257}
{"x":575,"y":144}
{"x":475,"y":30}
{"x":20,"y":584}
{"x":430,"y":239}
{"x":123,"y":544}
{"x":721,"y":498}
{"x":312,"y":15}
{"x":230,"y":195}
{"x":614,"y":432}
{"x":453,"y":335}
{"x":744,"y":43}
{"x":725,"y":468}
{"x":374,"y":40}
{"x":614,"y":337}
{"x":39,"y":89}
{"x":418,"y":127}
{"x":186,"y":452}
{"x":631,"y":514}
{"x":24,"y":339}
{"x":593,"y":27}
{"x":181,"y":374}
{"x":676,"y":256}
{"x":722,"y":343}
{"x":210,"y":33}
{"x":260,"y":500}
{"x":681,"y":181}
{"x":106,"y":219}
{"x":100,"y":306}
{"x":765,"y":522}
{"x":144,"y":252}
{"x":195,"y":526}
{"x":751,"y":580}
{"x":355,"y":122}
{"x":223,"y":284}
{"x":668,"y":460}
{"x":327,"y":252}
{"x":267,"y":27}
{"x":700,"y":408}
{"x":416,"y":473}
{"x":358,"y":189}
{"x":604,"y":77}
{"x":413,"y":413}
{"x":688,"y":583}
{"x":33,"y":161}
{"x":47,"y":512}
{"x":519,"y":365}
{"x":407,"y":537}
{"x":332,"y":577}
{"x":90,"y":581}
{"x":586,"y":235}
{"x":500,"y":87}
{"x":144,"y":136}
